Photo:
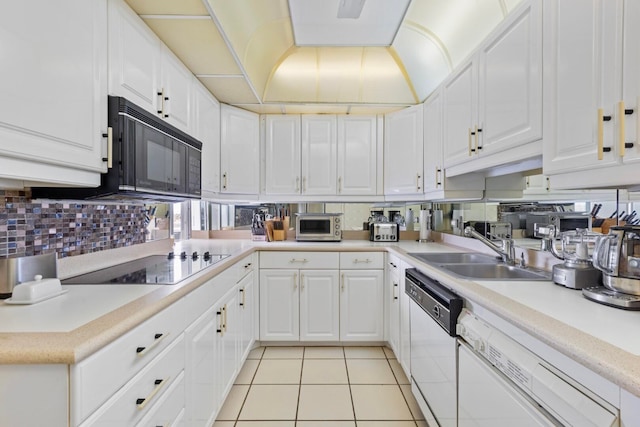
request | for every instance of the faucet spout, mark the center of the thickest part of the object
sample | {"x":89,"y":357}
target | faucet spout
{"x":505,"y":249}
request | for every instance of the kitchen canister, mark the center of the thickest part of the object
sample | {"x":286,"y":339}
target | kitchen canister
{"x":408,"y":220}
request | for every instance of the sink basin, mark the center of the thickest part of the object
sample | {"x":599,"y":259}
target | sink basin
{"x":455,"y":258}
{"x":495,"y":271}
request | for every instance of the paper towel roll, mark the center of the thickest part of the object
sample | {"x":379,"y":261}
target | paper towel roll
{"x":425,"y":224}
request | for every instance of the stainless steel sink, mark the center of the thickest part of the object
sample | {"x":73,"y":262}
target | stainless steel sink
{"x":455,"y":258}
{"x":470,"y":265}
{"x":495,"y":271}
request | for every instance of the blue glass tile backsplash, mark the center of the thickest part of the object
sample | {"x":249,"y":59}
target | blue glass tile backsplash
{"x":68,"y":228}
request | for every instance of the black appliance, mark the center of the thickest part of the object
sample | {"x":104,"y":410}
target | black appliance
{"x":150,"y":159}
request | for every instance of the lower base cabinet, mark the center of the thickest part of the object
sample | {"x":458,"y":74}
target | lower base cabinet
{"x":361,"y":305}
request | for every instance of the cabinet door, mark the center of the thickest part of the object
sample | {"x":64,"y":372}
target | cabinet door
{"x":176,"y":90}
{"x":53,"y":91}
{"x":246,"y":289}
{"x":405,"y":318}
{"x":582,"y":55}
{"x":228,"y":339}
{"x":239,"y":151}
{"x":319,"y":154}
{"x":279,"y":305}
{"x":393,"y":298}
{"x":460,"y":101}
{"x":433,"y":171}
{"x":208,"y":132}
{"x":510,"y":84}
{"x":282,"y":155}
{"x":134,"y":58}
{"x":631,"y":84}
{"x":361,"y":305}
{"x":403,"y":148}
{"x":357,"y":155}
{"x":200,"y":369}
{"x":319,"y":305}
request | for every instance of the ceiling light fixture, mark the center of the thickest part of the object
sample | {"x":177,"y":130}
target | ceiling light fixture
{"x":350,"y":9}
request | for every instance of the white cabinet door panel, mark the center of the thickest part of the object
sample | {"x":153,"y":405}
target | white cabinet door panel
{"x":282,"y":155}
{"x":207,"y":125}
{"x":279,"y":305}
{"x":319,"y":154}
{"x":361,"y":305}
{"x":403,"y":148}
{"x":239,"y":151}
{"x":176,"y":92}
{"x":357,"y":155}
{"x":319,"y":305}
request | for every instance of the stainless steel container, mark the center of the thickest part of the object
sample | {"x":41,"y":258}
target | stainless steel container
{"x":14,"y":271}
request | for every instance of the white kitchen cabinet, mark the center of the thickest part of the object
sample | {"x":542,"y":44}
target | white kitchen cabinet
{"x":403,"y":152}
{"x":319,"y":151}
{"x":279,"y":305}
{"x":493,"y":101}
{"x":53,"y":87}
{"x":393,"y":302}
{"x":239,"y":151}
{"x":319,"y":305}
{"x":247,"y":310}
{"x":592,"y":117}
{"x":283,"y":167}
{"x":207,"y":126}
{"x":134,"y":58}
{"x":361,"y":305}
{"x":437,"y":185}
{"x":358,"y":163}
{"x":405,"y":320}
{"x":176,"y":86}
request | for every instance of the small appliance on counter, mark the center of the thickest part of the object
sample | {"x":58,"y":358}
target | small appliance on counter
{"x":14,"y":271}
{"x":384,"y":232}
{"x":562,"y":221}
{"x":312,"y":227}
{"x":577,"y":270}
{"x":491,"y":229}
{"x":617,"y":255}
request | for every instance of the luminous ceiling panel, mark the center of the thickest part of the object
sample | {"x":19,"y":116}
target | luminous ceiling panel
{"x":197,"y":42}
{"x":315,"y":23}
{"x":230,"y":90}
{"x":168,"y":7}
{"x":383,"y":80}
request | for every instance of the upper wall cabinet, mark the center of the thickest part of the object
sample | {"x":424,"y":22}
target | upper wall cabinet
{"x":207,"y":130}
{"x":143,"y":70}
{"x":239,"y":151}
{"x":53,"y":90}
{"x":592,"y":84}
{"x":403,"y":155}
{"x":320,"y":155}
{"x":493,"y":102}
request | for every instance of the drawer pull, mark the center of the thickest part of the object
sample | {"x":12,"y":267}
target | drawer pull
{"x":243,"y":298}
{"x":359,"y":261}
{"x":220,"y":330}
{"x":303,"y":260}
{"x":157,"y":339}
{"x":142,"y":402}
{"x":393,"y":265}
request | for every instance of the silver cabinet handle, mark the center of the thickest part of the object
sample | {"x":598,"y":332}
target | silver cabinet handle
{"x":157,"y":339}
{"x":342,"y":282}
{"x":418,"y":181}
{"x":295,"y":281}
{"x":297,"y":183}
{"x":303,"y":260}
{"x":142,"y":402}
{"x":339,"y":184}
{"x":359,"y":261}
{"x":224,"y":181}
{"x":302,"y":281}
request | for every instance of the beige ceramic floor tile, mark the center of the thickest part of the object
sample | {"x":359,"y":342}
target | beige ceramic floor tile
{"x":266,"y":424}
{"x":256,"y":353}
{"x":388,"y":352}
{"x":224,"y":424}
{"x":325,"y":402}
{"x":270,"y":402}
{"x":386,"y":424}
{"x":283,"y":353}
{"x":411,"y":400}
{"x":325,"y":424}
{"x":398,"y":372}
{"x":278,"y":371}
{"x":324,"y":371}
{"x":231,"y":407}
{"x":379,"y":402}
{"x":247,"y":372}
{"x":323,"y":353}
{"x":370,"y":371}
{"x":364,"y":353}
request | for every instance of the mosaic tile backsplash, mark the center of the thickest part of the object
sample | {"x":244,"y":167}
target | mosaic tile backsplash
{"x":68,"y":228}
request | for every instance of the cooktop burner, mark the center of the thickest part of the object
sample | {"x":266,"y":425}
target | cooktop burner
{"x":153,"y":270}
{"x":615,"y":299}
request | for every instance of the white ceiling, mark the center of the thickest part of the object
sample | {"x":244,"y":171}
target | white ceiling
{"x":296,"y":56}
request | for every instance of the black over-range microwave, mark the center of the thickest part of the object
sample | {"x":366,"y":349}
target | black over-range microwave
{"x":150,"y":159}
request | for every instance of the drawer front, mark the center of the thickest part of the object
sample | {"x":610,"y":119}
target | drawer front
{"x":136,"y":399}
{"x":99,"y":376}
{"x":246,"y":266}
{"x":361,"y":260}
{"x":300,"y":260}
{"x":201,"y":299}
{"x":393,"y":267}
{"x":168,"y":407}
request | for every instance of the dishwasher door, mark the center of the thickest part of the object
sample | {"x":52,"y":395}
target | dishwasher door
{"x":486,"y":399}
{"x":433,"y":368}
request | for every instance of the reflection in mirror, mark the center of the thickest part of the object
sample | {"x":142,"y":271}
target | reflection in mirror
{"x":157,"y":221}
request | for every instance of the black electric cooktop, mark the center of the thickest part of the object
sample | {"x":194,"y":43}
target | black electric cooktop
{"x":153,"y":270}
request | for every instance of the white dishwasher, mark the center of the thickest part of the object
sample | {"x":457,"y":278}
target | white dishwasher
{"x":502,"y":384}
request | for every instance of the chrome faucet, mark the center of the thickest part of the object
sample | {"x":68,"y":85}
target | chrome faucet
{"x":505,"y":249}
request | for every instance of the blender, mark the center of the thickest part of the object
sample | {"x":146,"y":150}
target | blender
{"x":577,"y":270}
